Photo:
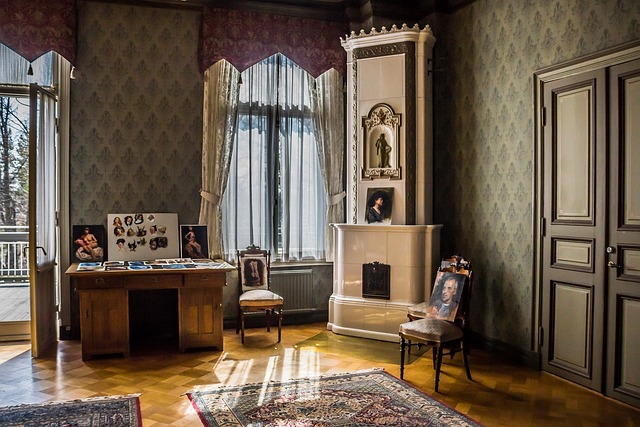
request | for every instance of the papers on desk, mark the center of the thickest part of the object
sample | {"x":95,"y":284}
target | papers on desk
{"x":168,"y":264}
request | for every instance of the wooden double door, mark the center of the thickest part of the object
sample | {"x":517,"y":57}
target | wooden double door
{"x":590,"y":228}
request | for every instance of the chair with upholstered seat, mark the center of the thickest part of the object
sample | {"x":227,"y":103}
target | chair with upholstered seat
{"x":254,"y":280}
{"x":445,"y":322}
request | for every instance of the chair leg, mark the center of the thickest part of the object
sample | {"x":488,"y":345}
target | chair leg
{"x":268,"y":320}
{"x":438,"y":365}
{"x":242,"y":325}
{"x":434,"y":355}
{"x":403,"y":344}
{"x":238,"y":320}
{"x":279,"y":324}
{"x":466,"y":362}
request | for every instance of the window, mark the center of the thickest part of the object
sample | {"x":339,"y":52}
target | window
{"x":275,"y":197}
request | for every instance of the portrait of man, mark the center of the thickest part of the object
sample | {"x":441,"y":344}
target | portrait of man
{"x":446,"y":296}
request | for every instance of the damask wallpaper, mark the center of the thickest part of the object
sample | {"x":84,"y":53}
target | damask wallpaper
{"x":136,"y":113}
{"x":485,"y":57}
{"x":136,"y":126}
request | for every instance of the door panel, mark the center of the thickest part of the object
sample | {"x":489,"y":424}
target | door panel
{"x":623,"y":326}
{"x":574,"y":227}
{"x":42,"y":212}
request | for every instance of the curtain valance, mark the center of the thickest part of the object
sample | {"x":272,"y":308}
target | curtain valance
{"x":34,"y":27}
{"x":244,"y":38}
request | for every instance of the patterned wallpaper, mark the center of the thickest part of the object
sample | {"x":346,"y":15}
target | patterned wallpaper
{"x":136,"y":113}
{"x":136,"y":126}
{"x":485,"y":57}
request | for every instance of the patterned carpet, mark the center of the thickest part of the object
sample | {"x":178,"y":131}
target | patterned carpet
{"x":363,"y":398}
{"x":112,"y":411}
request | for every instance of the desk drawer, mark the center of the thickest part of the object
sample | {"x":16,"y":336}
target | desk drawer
{"x":195,"y":280}
{"x":155,"y":281}
{"x":99,"y":282}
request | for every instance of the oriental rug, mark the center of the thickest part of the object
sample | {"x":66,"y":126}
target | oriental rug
{"x":361,"y":398}
{"x":112,"y":411}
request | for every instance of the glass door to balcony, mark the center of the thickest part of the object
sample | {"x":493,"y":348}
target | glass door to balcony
{"x":15,"y":313}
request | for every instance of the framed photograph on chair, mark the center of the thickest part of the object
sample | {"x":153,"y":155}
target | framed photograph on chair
{"x":253,"y":272}
{"x":446,"y":295}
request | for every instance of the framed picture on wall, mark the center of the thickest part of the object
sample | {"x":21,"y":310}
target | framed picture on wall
{"x":88,"y":243}
{"x":195,"y":241}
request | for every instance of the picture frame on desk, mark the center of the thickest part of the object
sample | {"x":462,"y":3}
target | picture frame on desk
{"x":194,"y":241}
{"x":88,"y":243}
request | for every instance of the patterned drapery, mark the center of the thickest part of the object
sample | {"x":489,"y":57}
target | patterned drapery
{"x":34,"y":27}
{"x":244,"y":38}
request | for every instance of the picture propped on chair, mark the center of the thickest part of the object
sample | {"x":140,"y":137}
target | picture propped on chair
{"x":446,"y":294}
{"x":253,"y":272}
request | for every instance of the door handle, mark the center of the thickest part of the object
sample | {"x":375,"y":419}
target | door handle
{"x":26,"y":247}
{"x":612,"y":264}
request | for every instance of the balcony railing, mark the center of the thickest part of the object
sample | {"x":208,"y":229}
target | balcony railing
{"x":14,"y":265}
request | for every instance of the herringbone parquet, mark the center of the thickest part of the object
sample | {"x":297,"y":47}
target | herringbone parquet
{"x":501,"y":394}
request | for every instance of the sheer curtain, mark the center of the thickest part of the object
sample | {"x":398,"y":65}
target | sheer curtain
{"x":275,"y":198}
{"x":221,"y":89}
{"x":328,"y":114}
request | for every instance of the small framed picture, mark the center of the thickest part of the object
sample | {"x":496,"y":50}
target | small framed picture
{"x":195,"y":241}
{"x":379,"y":205}
{"x":88,"y":243}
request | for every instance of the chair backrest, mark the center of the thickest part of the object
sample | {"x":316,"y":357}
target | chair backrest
{"x":451,"y":294}
{"x":456,"y":261}
{"x":254,"y":268}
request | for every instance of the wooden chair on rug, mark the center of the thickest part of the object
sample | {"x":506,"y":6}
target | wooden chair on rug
{"x":254,"y":280}
{"x":445,"y":322}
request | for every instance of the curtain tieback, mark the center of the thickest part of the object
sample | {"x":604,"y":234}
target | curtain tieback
{"x":336,"y":198}
{"x":210,"y":197}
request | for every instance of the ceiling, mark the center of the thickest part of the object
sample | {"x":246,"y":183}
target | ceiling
{"x":357,"y":13}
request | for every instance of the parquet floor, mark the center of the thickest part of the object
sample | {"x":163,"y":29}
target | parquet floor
{"x":501,"y":394}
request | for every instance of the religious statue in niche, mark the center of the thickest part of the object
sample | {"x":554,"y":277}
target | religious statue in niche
{"x":380,"y":151}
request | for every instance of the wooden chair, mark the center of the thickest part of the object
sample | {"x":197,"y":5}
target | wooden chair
{"x":254,"y":279}
{"x":440,"y":331}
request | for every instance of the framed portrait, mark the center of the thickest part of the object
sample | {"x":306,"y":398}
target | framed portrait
{"x":142,"y":236}
{"x":253,"y":272}
{"x":379,"y":206}
{"x":88,"y":243}
{"x":446,"y":295}
{"x":381,"y":143}
{"x":195,"y":241}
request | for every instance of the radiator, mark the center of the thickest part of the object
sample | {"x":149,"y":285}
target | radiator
{"x":296,"y":287}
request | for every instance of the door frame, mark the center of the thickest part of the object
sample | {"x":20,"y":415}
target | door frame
{"x":607,"y":58}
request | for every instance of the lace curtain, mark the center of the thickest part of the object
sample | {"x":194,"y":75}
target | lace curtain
{"x":328,"y":114}
{"x":221,"y":88}
{"x":14,"y":68}
{"x":276,"y":197}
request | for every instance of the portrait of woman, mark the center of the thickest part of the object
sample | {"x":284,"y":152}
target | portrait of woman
{"x":194,"y":241}
{"x":379,"y":205}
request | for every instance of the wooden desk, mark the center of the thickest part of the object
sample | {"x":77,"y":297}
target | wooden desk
{"x":104,"y":305}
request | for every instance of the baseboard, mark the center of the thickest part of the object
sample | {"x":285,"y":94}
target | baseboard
{"x":298,"y":317}
{"x":511,"y":353}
